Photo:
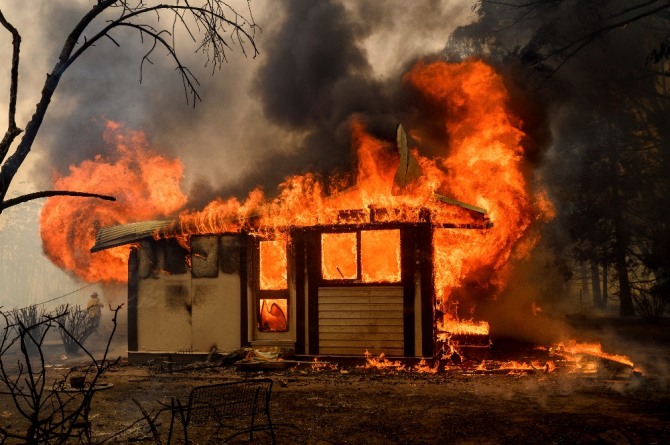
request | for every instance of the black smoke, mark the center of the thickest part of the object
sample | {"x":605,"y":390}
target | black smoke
{"x":286,"y":112}
{"x":592,"y":111}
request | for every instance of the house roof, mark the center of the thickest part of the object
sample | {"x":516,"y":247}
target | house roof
{"x":114,"y":236}
{"x":119,"y":235}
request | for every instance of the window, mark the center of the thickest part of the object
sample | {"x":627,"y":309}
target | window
{"x":367,"y":256}
{"x":339,"y":256}
{"x":380,"y":256}
{"x":273,"y":287}
{"x":272,"y":265}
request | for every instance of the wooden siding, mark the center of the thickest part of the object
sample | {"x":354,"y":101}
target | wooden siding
{"x":355,"y":319}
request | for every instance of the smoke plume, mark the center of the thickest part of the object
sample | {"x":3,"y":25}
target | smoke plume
{"x":285,"y":112}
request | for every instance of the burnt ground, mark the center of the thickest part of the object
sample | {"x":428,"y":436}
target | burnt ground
{"x":461,"y":405}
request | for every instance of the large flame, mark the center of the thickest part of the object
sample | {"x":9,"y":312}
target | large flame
{"x":480,"y":161}
{"x":146,"y":186}
{"x":483,"y":165}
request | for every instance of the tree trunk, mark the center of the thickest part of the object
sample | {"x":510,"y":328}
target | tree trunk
{"x":595,"y":284}
{"x":584,"y":277}
{"x":603,"y":303}
{"x":626,"y":308}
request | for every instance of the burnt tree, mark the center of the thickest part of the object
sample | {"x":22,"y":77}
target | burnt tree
{"x":215,"y":25}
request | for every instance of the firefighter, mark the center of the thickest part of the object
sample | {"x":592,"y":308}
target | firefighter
{"x":94,"y":308}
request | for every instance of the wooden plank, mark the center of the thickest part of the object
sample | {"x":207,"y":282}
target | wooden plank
{"x":407,"y":264}
{"x":374,"y":315}
{"x":361,"y":343}
{"x":347,"y":299}
{"x":313,"y":263}
{"x":355,"y":319}
{"x":369,"y":337}
{"x":370,"y":308}
{"x":133,"y":293}
{"x":362,"y":328}
{"x":365,"y":291}
{"x":298,"y":252}
{"x":360,"y":322}
{"x":424,"y":243}
{"x":358,"y":351}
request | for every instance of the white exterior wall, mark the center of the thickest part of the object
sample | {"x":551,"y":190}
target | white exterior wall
{"x":163,"y":318}
{"x":181,"y":313}
{"x":216,"y":314}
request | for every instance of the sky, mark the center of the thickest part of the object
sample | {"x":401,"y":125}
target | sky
{"x":282,"y":112}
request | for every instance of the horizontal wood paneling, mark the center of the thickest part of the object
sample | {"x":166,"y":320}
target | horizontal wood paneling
{"x":353,"y":350}
{"x":361,"y":322}
{"x":367,"y":328}
{"x":371,"y":291}
{"x":371,"y":315}
{"x":355,"y":319}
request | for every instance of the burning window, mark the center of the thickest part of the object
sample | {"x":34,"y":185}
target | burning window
{"x":380,"y":256}
{"x":339,"y":256}
{"x":368,"y":256}
{"x":273,"y":287}
{"x":273,"y":265}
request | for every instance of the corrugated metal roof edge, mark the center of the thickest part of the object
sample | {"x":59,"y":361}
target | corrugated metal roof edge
{"x":118,"y":235}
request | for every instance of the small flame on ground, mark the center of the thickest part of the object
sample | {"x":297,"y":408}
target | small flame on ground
{"x":593,"y":349}
{"x":381,"y":362}
{"x":318,"y":365}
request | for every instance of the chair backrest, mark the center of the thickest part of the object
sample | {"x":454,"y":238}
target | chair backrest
{"x":232,"y":400}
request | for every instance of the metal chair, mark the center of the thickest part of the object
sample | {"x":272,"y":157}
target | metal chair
{"x":236,"y":406}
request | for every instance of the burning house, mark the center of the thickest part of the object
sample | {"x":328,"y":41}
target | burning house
{"x":391,"y":257}
{"x":329,"y":281}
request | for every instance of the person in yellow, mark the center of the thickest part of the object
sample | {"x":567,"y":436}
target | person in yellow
{"x":94,"y":308}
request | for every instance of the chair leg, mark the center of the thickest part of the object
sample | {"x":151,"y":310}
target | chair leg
{"x":272,"y":431}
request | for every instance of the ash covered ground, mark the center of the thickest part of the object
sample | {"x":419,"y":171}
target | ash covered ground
{"x":468,"y":404}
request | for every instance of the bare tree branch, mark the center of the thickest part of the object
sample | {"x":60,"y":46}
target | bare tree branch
{"x":566,"y":52}
{"x":12,"y":130}
{"x":11,"y":165}
{"x":47,"y":193}
{"x":221,"y":29}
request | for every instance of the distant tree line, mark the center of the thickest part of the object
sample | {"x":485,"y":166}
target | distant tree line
{"x":599,"y":76}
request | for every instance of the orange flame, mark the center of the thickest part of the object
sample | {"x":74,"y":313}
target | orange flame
{"x":480,"y":161}
{"x":484,"y":166}
{"x":381,"y":363}
{"x":273,"y":315}
{"x":273,"y":265}
{"x":593,"y":349}
{"x":145,"y":185}
{"x":481,"y":164}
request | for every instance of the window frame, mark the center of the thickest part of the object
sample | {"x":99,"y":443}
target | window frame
{"x":269,"y":294}
{"x":359,"y":263}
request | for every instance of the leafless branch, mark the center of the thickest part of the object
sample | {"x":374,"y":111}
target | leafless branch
{"x":47,"y":193}
{"x":12,"y":130}
{"x":211,"y":21}
{"x":566,"y":52}
{"x":221,"y":29}
{"x":51,"y":413}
